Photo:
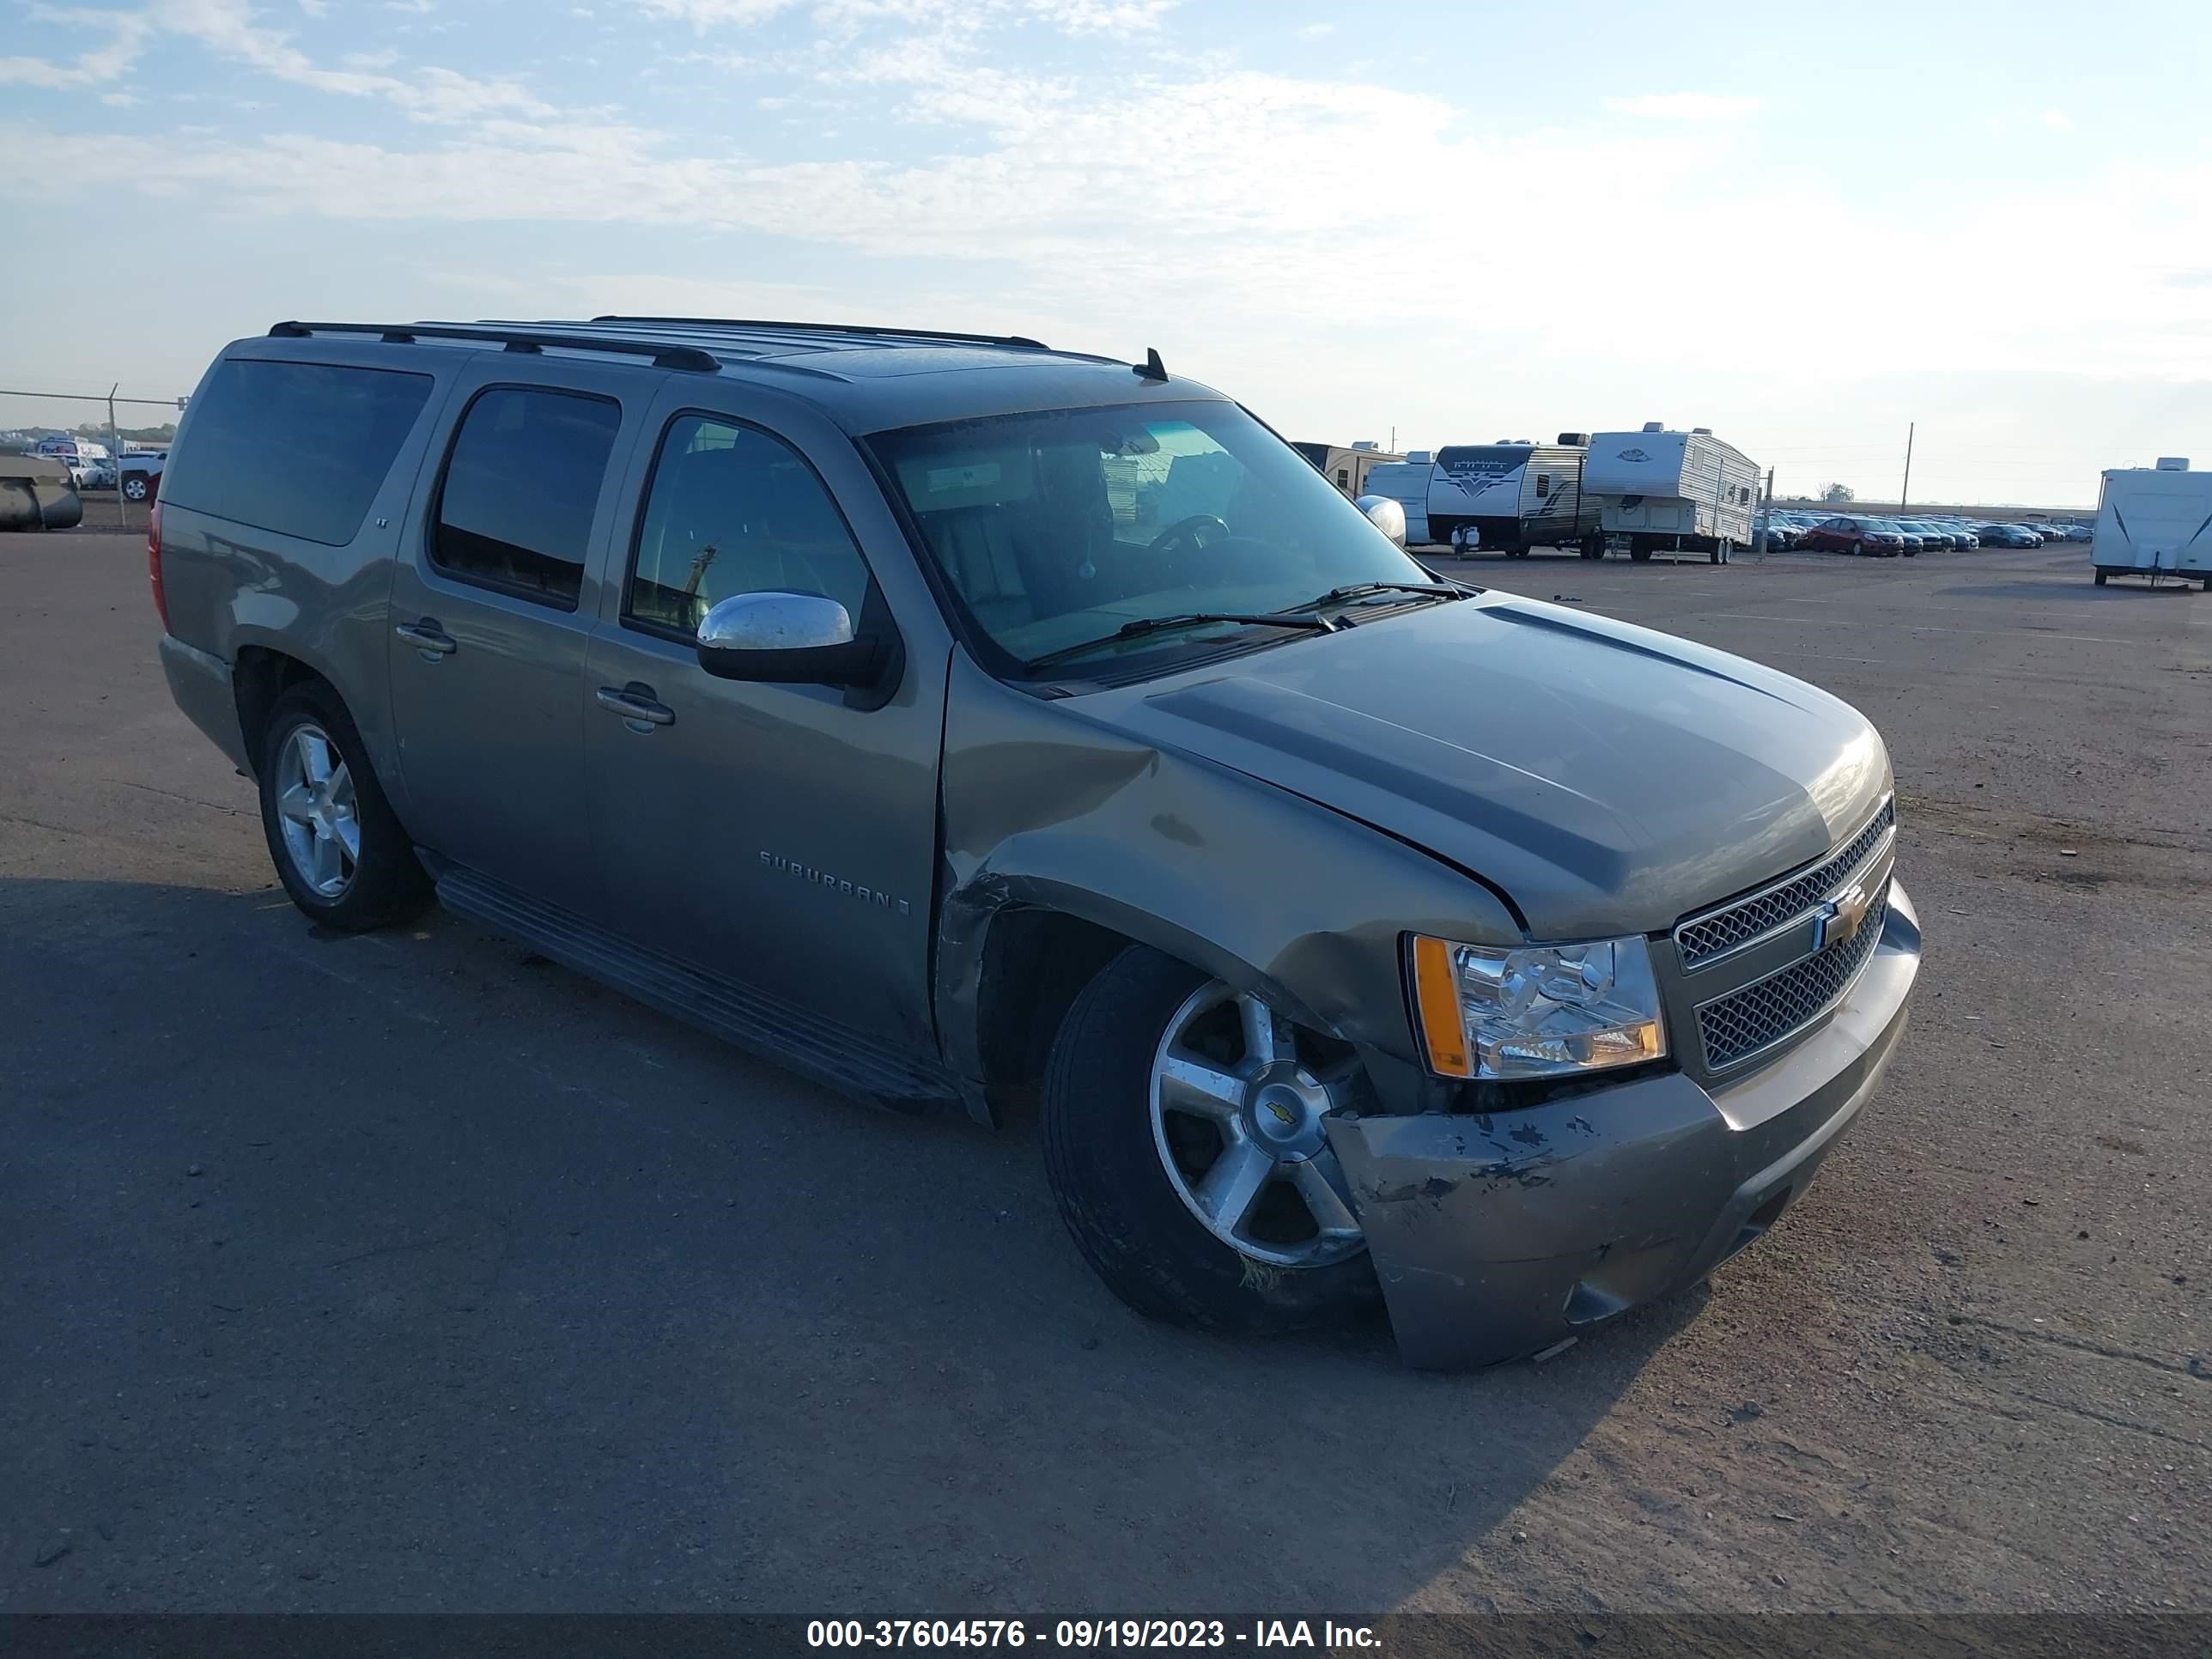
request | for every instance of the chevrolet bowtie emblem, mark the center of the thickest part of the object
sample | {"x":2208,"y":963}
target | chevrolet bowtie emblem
{"x":1838,"y":921}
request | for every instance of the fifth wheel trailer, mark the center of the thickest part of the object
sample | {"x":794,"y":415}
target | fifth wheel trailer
{"x":1670,"y":491}
{"x":2153,"y":521}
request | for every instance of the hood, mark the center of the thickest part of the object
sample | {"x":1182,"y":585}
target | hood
{"x":1608,"y":779}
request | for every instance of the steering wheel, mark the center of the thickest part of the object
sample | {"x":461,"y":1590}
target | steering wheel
{"x":1185,"y":532}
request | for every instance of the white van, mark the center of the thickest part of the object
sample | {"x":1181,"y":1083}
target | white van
{"x":2154,"y":521}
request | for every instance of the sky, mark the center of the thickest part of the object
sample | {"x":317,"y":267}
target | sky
{"x":1806,"y":228}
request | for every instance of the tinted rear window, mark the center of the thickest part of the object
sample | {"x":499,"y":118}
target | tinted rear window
{"x":298,"y":449}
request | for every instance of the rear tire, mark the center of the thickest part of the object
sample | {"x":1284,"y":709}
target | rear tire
{"x":338,"y":846}
{"x":2101,"y":579}
{"x":1110,"y":1162}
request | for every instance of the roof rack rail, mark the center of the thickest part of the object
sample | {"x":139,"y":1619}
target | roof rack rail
{"x":514,"y":339}
{"x":1022,"y":340}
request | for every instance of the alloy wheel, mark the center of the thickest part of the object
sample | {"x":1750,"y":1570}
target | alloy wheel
{"x":316,"y":805}
{"x":1237,"y":1098}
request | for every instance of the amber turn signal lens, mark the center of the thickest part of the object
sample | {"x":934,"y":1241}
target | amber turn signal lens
{"x":1442,"y":1031}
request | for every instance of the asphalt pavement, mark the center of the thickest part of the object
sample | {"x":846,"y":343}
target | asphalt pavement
{"x":409,"y":1272}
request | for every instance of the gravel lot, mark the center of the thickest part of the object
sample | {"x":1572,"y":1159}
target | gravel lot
{"x":405,"y":1273}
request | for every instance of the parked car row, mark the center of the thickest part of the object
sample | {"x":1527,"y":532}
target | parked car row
{"x":137,"y":472}
{"x":1885,"y":537}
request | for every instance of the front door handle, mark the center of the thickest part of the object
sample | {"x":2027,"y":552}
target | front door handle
{"x":426,"y":636}
{"x":636,"y":703}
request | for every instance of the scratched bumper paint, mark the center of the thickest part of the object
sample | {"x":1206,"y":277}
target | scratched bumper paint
{"x":1495,"y":1236}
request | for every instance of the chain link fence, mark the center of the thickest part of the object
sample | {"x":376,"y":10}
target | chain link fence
{"x":105,"y":426}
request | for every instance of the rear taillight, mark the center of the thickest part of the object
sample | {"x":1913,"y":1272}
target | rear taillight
{"x":154,"y":563}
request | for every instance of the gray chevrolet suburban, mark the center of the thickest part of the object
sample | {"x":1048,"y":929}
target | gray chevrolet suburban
{"x":961,"y":722}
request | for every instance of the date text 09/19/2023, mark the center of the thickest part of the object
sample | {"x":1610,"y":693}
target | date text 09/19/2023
{"x":1088,"y":1633}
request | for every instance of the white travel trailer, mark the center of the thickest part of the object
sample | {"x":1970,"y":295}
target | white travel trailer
{"x":1671,"y":491}
{"x":1512,"y":495}
{"x":2153,"y":521}
{"x":1406,"y":482}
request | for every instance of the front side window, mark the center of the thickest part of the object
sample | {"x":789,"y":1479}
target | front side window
{"x":1057,"y":528}
{"x":734,"y":511}
{"x":522,"y":488}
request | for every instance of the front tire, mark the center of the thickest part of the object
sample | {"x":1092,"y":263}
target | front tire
{"x":1183,"y":1142}
{"x":338,"y":849}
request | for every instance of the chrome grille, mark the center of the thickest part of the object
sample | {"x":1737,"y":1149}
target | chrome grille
{"x":1739,"y":923}
{"x":1735,"y":1027}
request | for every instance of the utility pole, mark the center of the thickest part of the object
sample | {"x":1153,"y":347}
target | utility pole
{"x":1904,"y":489}
{"x":1766,"y":511}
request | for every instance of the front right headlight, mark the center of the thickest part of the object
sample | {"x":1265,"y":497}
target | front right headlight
{"x":1536,"y":1011}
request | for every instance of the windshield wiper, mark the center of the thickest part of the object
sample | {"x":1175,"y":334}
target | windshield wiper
{"x":1144,"y":625}
{"x":1361,"y":590}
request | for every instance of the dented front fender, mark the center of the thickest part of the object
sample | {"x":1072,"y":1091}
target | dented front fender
{"x":1049,"y":806}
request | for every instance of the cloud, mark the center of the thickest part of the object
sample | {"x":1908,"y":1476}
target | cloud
{"x":940,"y":18}
{"x":227,"y":27}
{"x":1685,"y":107}
{"x":1098,"y":16}
{"x":2057,"y":120}
{"x":120,"y":100}
{"x":124,"y":40}
{"x":711,"y":14}
{"x":1102,"y":199}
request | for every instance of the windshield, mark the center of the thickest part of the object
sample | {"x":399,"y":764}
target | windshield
{"x":1060,"y":527}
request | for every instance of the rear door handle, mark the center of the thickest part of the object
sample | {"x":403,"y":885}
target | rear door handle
{"x":636,"y":703}
{"x":426,"y":636}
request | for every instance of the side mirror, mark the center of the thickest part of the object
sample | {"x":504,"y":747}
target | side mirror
{"x":790,"y":639}
{"x":1386,"y":515}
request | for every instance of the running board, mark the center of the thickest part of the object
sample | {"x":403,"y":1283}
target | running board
{"x":831,"y":1054}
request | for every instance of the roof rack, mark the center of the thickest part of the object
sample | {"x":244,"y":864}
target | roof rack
{"x":868,"y":329}
{"x":518,"y":340}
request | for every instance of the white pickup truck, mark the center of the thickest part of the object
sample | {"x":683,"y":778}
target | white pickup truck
{"x":140,"y":472}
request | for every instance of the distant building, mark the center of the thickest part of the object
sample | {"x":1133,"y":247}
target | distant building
{"x":1346,"y":466}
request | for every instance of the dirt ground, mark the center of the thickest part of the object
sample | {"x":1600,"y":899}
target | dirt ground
{"x":406,"y":1272}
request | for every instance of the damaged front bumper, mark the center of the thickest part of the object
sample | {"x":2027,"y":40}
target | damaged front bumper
{"x":1495,"y":1236}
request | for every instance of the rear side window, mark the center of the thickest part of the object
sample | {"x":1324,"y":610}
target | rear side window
{"x":521,"y":487}
{"x":298,"y":449}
